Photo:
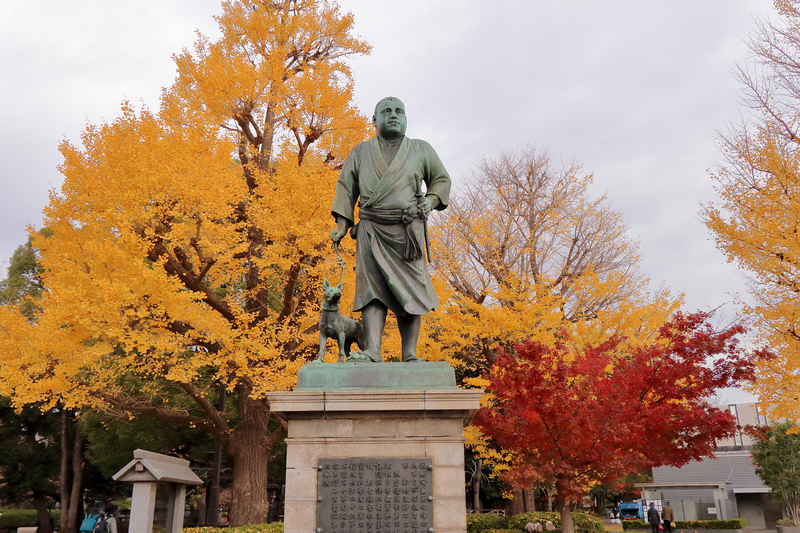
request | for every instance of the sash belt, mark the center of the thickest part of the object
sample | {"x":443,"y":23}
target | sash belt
{"x":412,"y":250}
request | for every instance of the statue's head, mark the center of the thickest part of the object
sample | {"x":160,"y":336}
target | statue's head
{"x":390,"y":118}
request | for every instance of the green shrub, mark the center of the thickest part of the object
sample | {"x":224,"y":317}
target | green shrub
{"x":518,"y":521}
{"x":691,"y":525}
{"x":482,"y":522}
{"x":274,"y":527}
{"x":583,"y":522}
{"x":14,"y":518}
{"x":587,"y":523}
{"x":502,"y":531}
{"x":635,"y":524}
{"x":736,"y":523}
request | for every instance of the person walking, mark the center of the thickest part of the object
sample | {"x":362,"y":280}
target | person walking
{"x":110,"y":519}
{"x":667,"y":515}
{"x":653,"y":518}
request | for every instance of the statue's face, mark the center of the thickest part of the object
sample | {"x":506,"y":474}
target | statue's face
{"x":390,"y":118}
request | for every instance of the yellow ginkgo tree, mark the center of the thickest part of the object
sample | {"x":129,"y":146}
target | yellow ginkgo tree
{"x":186,"y":248}
{"x":756,"y":221}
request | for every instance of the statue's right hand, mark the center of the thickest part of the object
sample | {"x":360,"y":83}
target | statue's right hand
{"x":338,"y":233}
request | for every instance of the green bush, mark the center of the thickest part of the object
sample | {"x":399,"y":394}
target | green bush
{"x":587,"y":523}
{"x":635,"y":524}
{"x":477,"y":523}
{"x":583,"y":522}
{"x":14,"y":518}
{"x":518,"y":521}
{"x":736,"y":523}
{"x":502,"y":531}
{"x":274,"y":527}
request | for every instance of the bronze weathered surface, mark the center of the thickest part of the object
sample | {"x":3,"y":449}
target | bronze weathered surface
{"x":344,"y":330}
{"x":384,"y":177}
{"x":366,"y":375}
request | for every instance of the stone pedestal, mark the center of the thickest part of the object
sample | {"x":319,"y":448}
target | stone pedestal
{"x":371,"y":420}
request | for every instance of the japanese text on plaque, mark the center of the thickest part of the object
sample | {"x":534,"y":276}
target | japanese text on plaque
{"x":374,"y":495}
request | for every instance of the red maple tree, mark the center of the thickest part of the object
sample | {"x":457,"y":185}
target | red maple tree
{"x":576,"y":415}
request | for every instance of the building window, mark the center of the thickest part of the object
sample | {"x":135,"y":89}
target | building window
{"x":737,"y":437}
{"x":761,"y":419}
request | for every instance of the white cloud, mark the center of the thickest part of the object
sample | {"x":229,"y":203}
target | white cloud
{"x":633,"y":90}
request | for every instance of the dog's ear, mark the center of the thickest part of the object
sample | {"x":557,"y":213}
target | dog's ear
{"x":325,"y":284}
{"x":339,"y":286}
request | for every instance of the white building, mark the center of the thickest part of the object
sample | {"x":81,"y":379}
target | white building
{"x":721,"y":487}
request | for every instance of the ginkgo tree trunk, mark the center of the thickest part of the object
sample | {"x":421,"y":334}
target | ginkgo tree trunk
{"x":187,"y":246}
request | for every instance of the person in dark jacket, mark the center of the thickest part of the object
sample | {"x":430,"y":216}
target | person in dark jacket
{"x":653,"y":518}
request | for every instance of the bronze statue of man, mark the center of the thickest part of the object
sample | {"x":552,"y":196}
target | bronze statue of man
{"x":384,"y":175}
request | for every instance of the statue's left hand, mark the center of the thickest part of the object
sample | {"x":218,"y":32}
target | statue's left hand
{"x":419,"y":209}
{"x":424,"y":208}
{"x":428,"y":204}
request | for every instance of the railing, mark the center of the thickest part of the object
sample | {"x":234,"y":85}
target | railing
{"x":498,"y":512}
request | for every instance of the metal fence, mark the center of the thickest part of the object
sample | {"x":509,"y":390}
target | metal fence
{"x":498,"y":512}
{"x":692,"y":509}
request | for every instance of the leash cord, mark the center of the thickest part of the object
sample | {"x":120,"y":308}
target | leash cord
{"x":339,"y":261}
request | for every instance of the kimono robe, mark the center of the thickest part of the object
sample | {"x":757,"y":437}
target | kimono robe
{"x":382,"y":273}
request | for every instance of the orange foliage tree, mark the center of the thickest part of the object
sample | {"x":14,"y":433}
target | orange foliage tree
{"x":186,"y":248}
{"x":756,"y":221}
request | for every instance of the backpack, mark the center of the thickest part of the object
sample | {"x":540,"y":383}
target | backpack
{"x":100,"y":526}
{"x":87,"y":526}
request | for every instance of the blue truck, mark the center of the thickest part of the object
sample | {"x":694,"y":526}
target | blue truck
{"x":631,"y":511}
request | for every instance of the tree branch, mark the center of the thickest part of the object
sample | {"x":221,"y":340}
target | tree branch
{"x":132,"y":405}
{"x":214,"y":416}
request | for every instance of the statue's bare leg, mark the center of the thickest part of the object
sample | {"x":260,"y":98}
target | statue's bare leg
{"x":374,"y":317}
{"x":409,"y":326}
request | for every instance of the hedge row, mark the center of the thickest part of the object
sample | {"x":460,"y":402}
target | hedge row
{"x":14,"y":518}
{"x":736,"y":523}
{"x":274,"y":527}
{"x":476,"y":523}
{"x":485,"y":522}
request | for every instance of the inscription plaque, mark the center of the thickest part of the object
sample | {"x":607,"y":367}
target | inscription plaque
{"x":375,"y":495}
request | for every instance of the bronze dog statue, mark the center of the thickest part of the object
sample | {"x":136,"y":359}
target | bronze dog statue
{"x":333,"y":325}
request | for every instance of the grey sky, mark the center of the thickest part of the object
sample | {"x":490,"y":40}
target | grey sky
{"x":634,"y":90}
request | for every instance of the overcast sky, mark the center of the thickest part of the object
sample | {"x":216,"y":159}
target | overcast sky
{"x":634,"y":90}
